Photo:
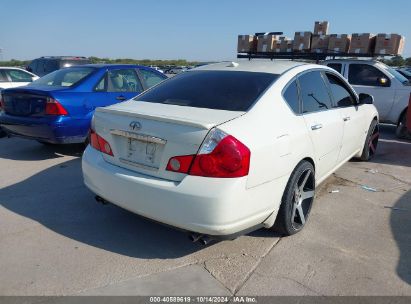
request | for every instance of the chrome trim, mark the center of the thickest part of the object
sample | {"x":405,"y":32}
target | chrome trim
{"x":138,"y":165}
{"x":316,"y":127}
{"x":139,"y":137}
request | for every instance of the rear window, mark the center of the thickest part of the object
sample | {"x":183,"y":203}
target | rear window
{"x":64,"y":77}
{"x":219,"y":90}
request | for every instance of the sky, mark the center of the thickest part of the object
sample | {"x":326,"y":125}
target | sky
{"x":195,"y":30}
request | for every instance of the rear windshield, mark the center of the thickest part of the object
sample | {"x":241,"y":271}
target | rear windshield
{"x":220,"y":90}
{"x":64,"y":77}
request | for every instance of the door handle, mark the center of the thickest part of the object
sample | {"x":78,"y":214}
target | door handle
{"x":121,"y":97}
{"x":316,"y":127}
{"x":347,"y":118}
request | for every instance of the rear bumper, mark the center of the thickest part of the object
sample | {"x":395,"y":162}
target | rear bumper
{"x":57,"y":130}
{"x":210,"y":206}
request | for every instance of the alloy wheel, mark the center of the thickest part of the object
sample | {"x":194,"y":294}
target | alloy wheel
{"x":302,"y":199}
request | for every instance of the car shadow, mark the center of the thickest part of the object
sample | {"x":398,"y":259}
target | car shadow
{"x":57,"y":199}
{"x":400,"y":221}
{"x":29,"y":150}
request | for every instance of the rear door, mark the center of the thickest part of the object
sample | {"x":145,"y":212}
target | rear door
{"x":351,"y":114}
{"x":323,"y":122}
{"x":365,"y":78}
{"x":115,"y":86}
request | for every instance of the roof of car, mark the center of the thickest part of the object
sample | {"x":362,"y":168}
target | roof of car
{"x":106,"y":65}
{"x":266,"y":66}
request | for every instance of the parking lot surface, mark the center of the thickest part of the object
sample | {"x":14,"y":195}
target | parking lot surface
{"x":56,"y":240}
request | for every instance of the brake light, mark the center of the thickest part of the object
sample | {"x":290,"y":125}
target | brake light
{"x":99,"y":143}
{"x":221,"y":155}
{"x":53,"y":107}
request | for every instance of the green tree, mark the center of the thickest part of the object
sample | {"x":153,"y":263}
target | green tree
{"x":397,"y":61}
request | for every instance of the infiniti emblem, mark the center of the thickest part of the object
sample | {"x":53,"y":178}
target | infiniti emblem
{"x":135,"y":125}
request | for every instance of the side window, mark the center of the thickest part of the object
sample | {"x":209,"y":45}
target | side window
{"x":19,"y":76}
{"x":150,"y":78}
{"x":40,"y":67}
{"x":124,"y":80}
{"x":32,"y":66}
{"x":101,"y":85}
{"x":342,"y":96}
{"x":365,"y":74}
{"x":314,"y":93}
{"x":291,"y":96}
{"x":335,"y":66}
{"x":3,"y":77}
{"x":51,"y":66}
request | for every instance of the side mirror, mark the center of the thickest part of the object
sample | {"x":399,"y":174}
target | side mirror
{"x":384,"y":82}
{"x":365,"y":98}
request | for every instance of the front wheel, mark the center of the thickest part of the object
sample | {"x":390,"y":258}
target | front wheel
{"x":297,"y":200}
{"x":371,"y":142}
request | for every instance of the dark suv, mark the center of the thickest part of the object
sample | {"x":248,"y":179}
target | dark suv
{"x":44,"y":65}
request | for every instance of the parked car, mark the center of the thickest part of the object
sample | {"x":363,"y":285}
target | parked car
{"x":11,"y":77}
{"x":176,"y":70}
{"x":404,"y":72}
{"x":156,"y":68}
{"x":390,"y":89}
{"x":230,"y":147}
{"x":57,"y":108}
{"x":47,"y":64}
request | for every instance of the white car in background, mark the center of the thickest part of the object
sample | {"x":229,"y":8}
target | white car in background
{"x":230,"y":147}
{"x":390,"y":89}
{"x":15,"y":77}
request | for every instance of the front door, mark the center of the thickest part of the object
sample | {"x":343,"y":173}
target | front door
{"x":366,"y":78}
{"x":351,"y":114}
{"x":323,"y":122}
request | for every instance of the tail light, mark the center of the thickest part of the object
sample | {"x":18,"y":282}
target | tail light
{"x":53,"y":107}
{"x":99,"y":143}
{"x":220,"y":155}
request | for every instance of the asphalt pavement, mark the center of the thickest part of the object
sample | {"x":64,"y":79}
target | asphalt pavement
{"x":56,"y":240}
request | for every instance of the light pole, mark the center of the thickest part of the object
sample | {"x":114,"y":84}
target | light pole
{"x":1,"y":54}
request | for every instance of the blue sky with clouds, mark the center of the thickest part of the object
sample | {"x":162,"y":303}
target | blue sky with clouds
{"x":187,"y":29}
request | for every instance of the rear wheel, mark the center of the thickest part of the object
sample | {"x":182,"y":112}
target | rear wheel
{"x":371,"y":142}
{"x":297,"y":200}
{"x":401,"y":130}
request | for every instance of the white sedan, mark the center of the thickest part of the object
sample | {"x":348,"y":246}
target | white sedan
{"x":229,"y":147}
{"x":15,"y":77}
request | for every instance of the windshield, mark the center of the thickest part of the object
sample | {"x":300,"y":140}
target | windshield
{"x":64,"y":77}
{"x":219,"y":90}
{"x":397,"y":75}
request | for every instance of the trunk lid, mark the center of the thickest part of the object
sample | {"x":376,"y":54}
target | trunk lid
{"x":144,"y":136}
{"x":25,"y":101}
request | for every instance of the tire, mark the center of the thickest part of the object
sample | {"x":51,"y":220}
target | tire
{"x":401,"y":131}
{"x":2,"y":133}
{"x":297,"y":200}
{"x":371,"y":142}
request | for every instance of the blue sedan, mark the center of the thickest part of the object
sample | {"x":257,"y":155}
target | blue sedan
{"x":58,"y":107}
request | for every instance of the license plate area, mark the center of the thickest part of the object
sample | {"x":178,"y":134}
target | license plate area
{"x":140,"y":150}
